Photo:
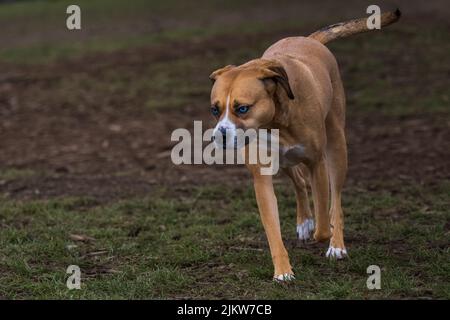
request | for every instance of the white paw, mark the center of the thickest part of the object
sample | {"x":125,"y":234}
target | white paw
{"x":336,"y":253}
{"x":304,"y":229}
{"x":284,"y":277}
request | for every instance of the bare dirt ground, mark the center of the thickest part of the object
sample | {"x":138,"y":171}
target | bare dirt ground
{"x":113,"y":150}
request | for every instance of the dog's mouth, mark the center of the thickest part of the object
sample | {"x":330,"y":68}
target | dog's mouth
{"x":233,"y":142}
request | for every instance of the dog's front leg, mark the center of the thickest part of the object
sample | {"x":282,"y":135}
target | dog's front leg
{"x":268,"y":209}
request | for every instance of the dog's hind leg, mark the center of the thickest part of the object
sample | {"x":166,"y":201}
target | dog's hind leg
{"x":305,"y":221}
{"x":337,"y":168}
{"x":320,"y":192}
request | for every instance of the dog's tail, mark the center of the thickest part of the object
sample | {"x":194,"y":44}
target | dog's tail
{"x":348,"y":28}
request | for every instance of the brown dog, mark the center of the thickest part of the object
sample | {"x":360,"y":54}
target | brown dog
{"x":295,"y":87}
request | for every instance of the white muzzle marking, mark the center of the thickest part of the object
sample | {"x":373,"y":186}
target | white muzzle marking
{"x":225,"y":130}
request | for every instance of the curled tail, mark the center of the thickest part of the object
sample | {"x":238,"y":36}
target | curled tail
{"x":348,"y":28}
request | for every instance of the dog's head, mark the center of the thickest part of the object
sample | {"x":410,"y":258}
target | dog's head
{"x":245,"y":97}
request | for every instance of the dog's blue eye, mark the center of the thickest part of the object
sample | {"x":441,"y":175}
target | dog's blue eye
{"x":215,"y":111}
{"x":242,"y":109}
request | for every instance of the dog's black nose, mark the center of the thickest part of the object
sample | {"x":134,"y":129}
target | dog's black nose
{"x":223,"y":131}
{"x":222,"y":136}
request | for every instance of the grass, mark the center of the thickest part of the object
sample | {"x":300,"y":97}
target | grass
{"x":11,"y":174}
{"x":214,"y":247}
{"x":143,"y":23}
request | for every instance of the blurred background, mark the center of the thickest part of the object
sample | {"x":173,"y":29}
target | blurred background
{"x":85,"y":170}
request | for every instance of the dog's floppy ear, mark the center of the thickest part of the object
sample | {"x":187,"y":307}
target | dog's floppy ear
{"x":213,"y":76}
{"x":275,"y":71}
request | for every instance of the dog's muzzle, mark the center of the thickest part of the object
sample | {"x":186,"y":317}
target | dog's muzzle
{"x":224,"y":138}
{"x":229,"y":138}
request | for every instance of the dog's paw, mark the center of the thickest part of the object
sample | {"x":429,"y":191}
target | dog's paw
{"x":284,"y":277}
{"x":336,"y":253}
{"x":305,"y":229}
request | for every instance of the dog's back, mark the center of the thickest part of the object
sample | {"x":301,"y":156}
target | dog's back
{"x":312,"y":68}
{"x":312,"y":48}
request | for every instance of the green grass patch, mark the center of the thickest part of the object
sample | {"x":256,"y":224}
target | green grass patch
{"x":11,"y":174}
{"x":215,"y":247}
{"x":108,"y":26}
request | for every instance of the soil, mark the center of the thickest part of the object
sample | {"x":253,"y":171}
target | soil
{"x":113,"y":150}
